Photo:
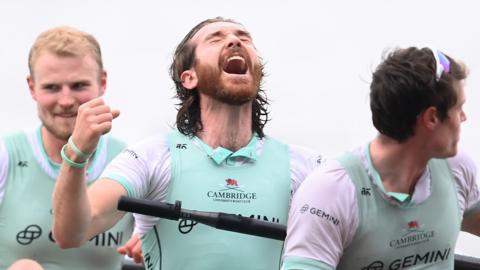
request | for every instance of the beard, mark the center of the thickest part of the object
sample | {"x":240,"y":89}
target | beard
{"x":61,"y":130}
{"x":213,"y":82}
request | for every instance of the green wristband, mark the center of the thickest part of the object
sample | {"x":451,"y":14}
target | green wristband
{"x":70,"y":162}
{"x":77,"y":151}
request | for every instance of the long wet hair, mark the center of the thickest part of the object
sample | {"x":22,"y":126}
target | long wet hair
{"x":188,"y":117}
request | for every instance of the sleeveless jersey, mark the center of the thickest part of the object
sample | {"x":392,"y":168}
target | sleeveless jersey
{"x":26,"y":217}
{"x":392,"y":237}
{"x":259,"y":189}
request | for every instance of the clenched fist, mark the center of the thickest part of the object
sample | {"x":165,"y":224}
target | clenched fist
{"x":94,"y":119}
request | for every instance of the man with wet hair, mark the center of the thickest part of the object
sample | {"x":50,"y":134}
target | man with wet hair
{"x":66,"y":70}
{"x":217,"y":159}
{"x":400,"y":200}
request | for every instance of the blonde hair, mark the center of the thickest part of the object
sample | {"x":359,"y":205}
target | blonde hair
{"x":65,"y":41}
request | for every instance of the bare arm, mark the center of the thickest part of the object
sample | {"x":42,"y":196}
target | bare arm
{"x":79,"y":215}
{"x":471,"y":220}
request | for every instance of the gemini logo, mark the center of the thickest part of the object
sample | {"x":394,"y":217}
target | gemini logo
{"x":147,"y":261}
{"x":376,"y":265}
{"x":321,"y":214}
{"x":431,"y":258}
{"x":304,"y":208}
{"x":30,"y":233}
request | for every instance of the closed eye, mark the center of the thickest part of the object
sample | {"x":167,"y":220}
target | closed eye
{"x":215,"y":40}
{"x":51,"y":87}
{"x":78,"y":86}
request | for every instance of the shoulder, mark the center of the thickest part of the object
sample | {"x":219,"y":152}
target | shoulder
{"x":302,"y":161}
{"x":464,"y":172}
{"x":330,"y":176}
{"x":463,"y":167}
{"x":299,"y":155}
{"x":115,"y":142}
{"x":150,"y":148}
{"x":323,"y":216}
{"x":302,"y":153}
{"x":12,"y":138}
{"x":462,"y":161}
{"x":16,"y":142}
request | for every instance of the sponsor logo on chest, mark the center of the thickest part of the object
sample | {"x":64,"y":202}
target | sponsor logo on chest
{"x":414,"y":233}
{"x":232,"y":191}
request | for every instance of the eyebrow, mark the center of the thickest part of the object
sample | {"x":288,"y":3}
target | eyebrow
{"x":85,"y":81}
{"x":220,"y":33}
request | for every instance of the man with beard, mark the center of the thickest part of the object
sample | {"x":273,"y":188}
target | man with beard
{"x":218,"y":159}
{"x":66,"y":70}
{"x":400,"y":200}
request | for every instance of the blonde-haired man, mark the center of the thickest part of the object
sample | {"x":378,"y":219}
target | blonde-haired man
{"x":66,"y":71}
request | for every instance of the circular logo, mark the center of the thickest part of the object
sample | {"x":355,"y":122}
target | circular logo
{"x":304,"y":208}
{"x":186,"y":225}
{"x":30,"y":233}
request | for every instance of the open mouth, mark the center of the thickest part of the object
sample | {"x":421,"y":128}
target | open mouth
{"x":235,"y":65}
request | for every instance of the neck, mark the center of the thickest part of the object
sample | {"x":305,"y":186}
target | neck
{"x":52,"y":145}
{"x":400,"y":165}
{"x":224,"y":125}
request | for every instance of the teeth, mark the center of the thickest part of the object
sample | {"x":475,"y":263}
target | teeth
{"x":235,"y":57}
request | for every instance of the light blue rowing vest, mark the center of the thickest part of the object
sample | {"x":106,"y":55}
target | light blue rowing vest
{"x":26,"y":217}
{"x":259,"y":189}
{"x":391,"y":237}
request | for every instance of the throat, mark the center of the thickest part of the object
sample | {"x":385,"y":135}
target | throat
{"x":231,"y":140}
{"x":51,"y":145}
{"x":225,"y":125}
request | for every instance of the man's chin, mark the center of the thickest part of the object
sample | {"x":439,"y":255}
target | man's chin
{"x":238,"y":96}
{"x":450,"y":153}
{"x":61,"y":133}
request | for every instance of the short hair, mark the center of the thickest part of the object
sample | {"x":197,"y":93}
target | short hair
{"x":405,"y":84}
{"x":65,"y":41}
{"x":188,"y":117}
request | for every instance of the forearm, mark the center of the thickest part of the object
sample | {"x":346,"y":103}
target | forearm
{"x":78,"y":215}
{"x":71,"y":209}
{"x":471,"y":220}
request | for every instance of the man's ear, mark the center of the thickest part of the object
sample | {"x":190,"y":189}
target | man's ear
{"x":31,"y":86}
{"x":189,"y":79}
{"x":103,"y":82}
{"x":429,"y":118}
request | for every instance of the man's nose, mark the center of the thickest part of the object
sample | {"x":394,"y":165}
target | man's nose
{"x":66,"y":98}
{"x":233,"y":41}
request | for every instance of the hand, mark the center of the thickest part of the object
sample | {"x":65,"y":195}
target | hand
{"x":133,"y":249}
{"x":94,"y":118}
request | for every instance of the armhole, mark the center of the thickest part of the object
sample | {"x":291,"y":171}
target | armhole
{"x":359,"y":178}
{"x":174,"y":137}
{"x":12,"y":144}
{"x":115,"y":147}
{"x":445,"y":167}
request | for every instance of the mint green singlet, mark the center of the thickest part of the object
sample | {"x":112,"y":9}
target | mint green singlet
{"x":259,"y":189}
{"x":392,"y":237}
{"x":26,"y":218}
